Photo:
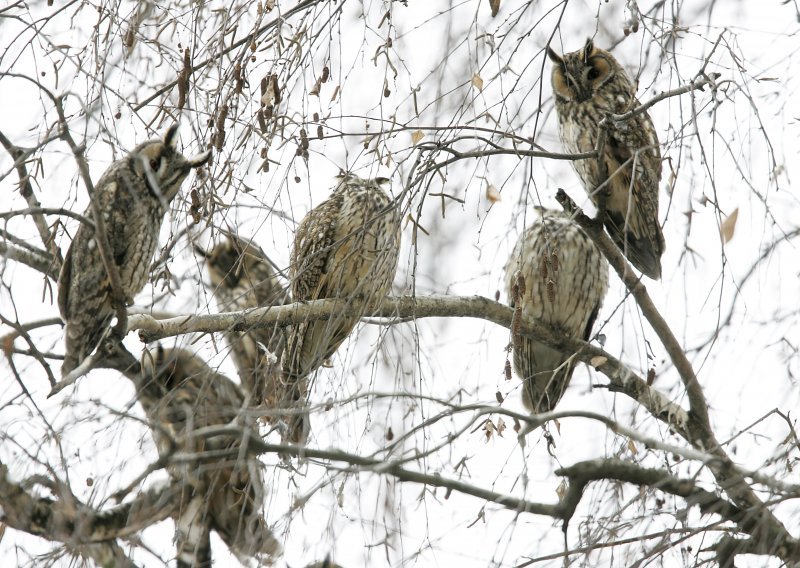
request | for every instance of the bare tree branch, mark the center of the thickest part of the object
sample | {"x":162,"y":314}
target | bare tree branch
{"x":81,"y":526}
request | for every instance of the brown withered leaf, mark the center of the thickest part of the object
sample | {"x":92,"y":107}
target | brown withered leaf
{"x":561,"y":490}
{"x":494,"y":5}
{"x":728,"y":226}
{"x":488,"y":429}
{"x":416,"y":136}
{"x":477,"y":82}
{"x":632,"y":447}
{"x":492,"y":194}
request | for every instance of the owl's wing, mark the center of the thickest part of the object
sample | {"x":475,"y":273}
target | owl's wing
{"x":313,"y":248}
{"x":64,"y":279}
{"x":635,"y":228}
{"x":315,"y":258}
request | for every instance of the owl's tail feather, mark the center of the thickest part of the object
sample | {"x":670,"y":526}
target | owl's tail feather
{"x":546,"y":374}
{"x":254,"y":540}
{"x":644,"y":252}
{"x":192,"y":534}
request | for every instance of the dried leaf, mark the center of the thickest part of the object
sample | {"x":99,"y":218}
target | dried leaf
{"x":598,"y":361}
{"x":389,"y":434}
{"x":501,"y":425}
{"x":728,"y":226}
{"x":416,"y":136}
{"x":492,"y":194}
{"x":477,"y":82}
{"x":561,"y":490}
{"x":488,"y":429}
{"x":499,"y":397}
{"x":558,"y":426}
{"x":632,"y":447}
{"x":494,"y":5}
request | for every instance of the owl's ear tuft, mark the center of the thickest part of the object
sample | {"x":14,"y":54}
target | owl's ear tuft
{"x":588,"y":50}
{"x":199,"y":159}
{"x":171,"y":136}
{"x":554,"y":57}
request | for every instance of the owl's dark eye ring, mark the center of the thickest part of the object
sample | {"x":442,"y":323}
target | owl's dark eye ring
{"x":593,"y":74}
{"x":154,"y":163}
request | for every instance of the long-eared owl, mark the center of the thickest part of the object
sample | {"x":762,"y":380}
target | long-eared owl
{"x":345,"y":248}
{"x":181,"y":395}
{"x":588,"y":85}
{"x":243,"y":278}
{"x":559,"y":278}
{"x":132,"y":195}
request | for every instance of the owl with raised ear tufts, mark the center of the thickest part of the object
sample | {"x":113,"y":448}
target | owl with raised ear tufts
{"x":132,"y":195}
{"x":345,"y":248}
{"x":588,"y":85}
{"x":243,"y":277}
{"x":557,"y":276}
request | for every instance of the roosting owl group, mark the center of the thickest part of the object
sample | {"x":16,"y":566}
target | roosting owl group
{"x":344,"y":249}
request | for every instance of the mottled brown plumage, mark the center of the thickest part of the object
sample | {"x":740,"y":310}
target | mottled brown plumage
{"x":132,"y":195}
{"x":242,"y":278}
{"x":345,"y":248}
{"x":564,"y":278}
{"x":180,"y":395}
{"x":590,"y":84}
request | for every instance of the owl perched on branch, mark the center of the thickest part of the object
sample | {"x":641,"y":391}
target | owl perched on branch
{"x":345,"y":248}
{"x":133,"y":195}
{"x":558,"y":277}
{"x":223,"y":491}
{"x":242,"y":278}
{"x":589,"y":84}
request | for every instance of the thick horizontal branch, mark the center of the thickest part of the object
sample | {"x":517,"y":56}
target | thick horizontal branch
{"x":622,"y":377}
{"x":773,"y":540}
{"x":79,"y":526}
{"x":582,"y":473}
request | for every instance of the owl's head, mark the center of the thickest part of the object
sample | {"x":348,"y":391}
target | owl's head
{"x":579,"y":75}
{"x":348,"y":179}
{"x":230,"y":260}
{"x":162,"y":167}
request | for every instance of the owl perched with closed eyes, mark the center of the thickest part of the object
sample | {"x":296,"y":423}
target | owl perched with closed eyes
{"x":223,"y":491}
{"x":243,"y":278}
{"x":132,"y":195}
{"x":559,"y":278}
{"x":345,"y":248}
{"x":588,"y":85}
